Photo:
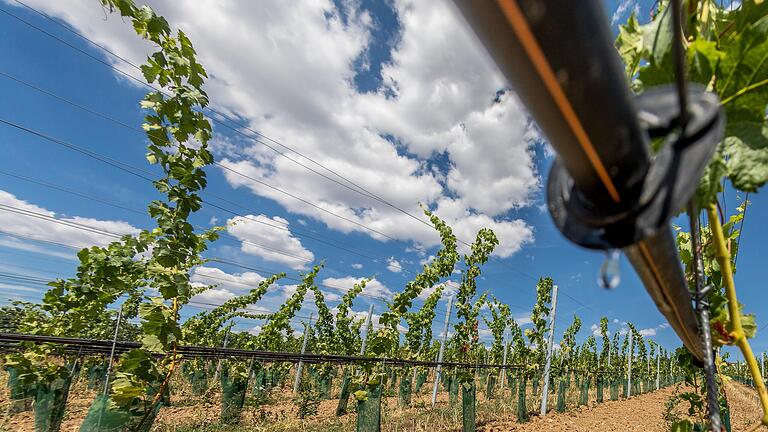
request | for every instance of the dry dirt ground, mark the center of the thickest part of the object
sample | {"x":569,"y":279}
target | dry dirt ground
{"x":640,"y":413}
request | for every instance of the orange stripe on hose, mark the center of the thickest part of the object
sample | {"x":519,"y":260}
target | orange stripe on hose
{"x":657,"y":275}
{"x":531,"y":46}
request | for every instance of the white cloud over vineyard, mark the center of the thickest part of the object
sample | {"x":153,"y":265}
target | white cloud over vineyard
{"x":431,"y":133}
{"x":29,"y":220}
{"x":373,"y":287}
{"x":259,"y":237}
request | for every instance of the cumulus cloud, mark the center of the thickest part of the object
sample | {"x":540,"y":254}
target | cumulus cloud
{"x":427,"y":260}
{"x":260,"y":237}
{"x":435,"y":128}
{"x":448,"y":290}
{"x":621,"y":10}
{"x":373,"y":287}
{"x":357,"y":266}
{"x":25,"y":219}
{"x":651,"y":331}
{"x":393,"y":265}
{"x":226,"y":285}
{"x":523,"y":319}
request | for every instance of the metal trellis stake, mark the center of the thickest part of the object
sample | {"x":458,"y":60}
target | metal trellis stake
{"x":297,"y":381}
{"x":658,"y":370}
{"x":112,"y":352}
{"x":550,"y":341}
{"x":367,"y":330}
{"x":218,"y":363}
{"x":442,"y":350}
{"x":702,"y":308}
{"x":629,"y":364}
{"x":503,"y":377}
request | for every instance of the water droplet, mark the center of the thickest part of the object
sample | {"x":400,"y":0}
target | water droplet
{"x":610,"y":274}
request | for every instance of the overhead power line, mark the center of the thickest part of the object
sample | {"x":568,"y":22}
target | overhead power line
{"x":140,"y":173}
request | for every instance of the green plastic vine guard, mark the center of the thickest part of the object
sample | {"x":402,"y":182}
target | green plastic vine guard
{"x":259,"y":383}
{"x":199,"y":381}
{"x":50,"y":404}
{"x":20,"y":396}
{"x":453,"y":390}
{"x":324,"y":383}
{"x":725,"y":417}
{"x":369,"y":410}
{"x":421,"y":378}
{"x":96,"y":375}
{"x":405,"y":391}
{"x":344,"y":393}
{"x":490,"y":385}
{"x":102,"y":418}
{"x":468,"y":407}
{"x":561,"y":396}
{"x":232,"y":397}
{"x":599,"y":396}
{"x":584,"y":392}
{"x":614,"y":390}
{"x":522,"y":409}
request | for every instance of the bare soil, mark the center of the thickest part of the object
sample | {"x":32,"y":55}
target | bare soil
{"x":193,"y":413}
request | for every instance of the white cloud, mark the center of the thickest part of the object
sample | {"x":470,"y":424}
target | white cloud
{"x":21,"y":244}
{"x":295,"y":84}
{"x":373,"y":287}
{"x":595,"y":329}
{"x":448,"y":290}
{"x":227,"y":285}
{"x":327,"y":296}
{"x":357,"y":266}
{"x":12,"y":288}
{"x":393,"y":265}
{"x":621,"y":10}
{"x":651,"y":331}
{"x":42,"y":228}
{"x":523,"y":319}
{"x":242,"y":282}
{"x":427,"y":260}
{"x":260,"y":238}
{"x":417,"y":250}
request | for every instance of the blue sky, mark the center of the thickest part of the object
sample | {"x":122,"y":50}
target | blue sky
{"x":396,"y":96}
